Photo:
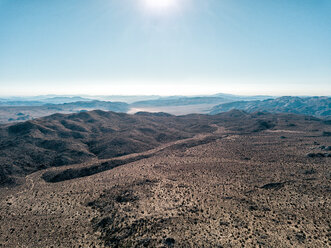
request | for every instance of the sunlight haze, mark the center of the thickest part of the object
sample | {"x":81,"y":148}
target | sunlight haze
{"x":165,"y":46}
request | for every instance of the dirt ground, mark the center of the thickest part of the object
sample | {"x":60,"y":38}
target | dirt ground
{"x":249,"y":190}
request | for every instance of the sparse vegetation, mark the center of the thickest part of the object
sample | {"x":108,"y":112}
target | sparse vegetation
{"x":217,"y":182}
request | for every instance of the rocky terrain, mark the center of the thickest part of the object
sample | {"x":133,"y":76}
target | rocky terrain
{"x":67,"y":139}
{"x":316,"y":106}
{"x":104,"y":179}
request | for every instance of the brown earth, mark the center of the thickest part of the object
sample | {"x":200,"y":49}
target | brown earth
{"x":235,"y":180}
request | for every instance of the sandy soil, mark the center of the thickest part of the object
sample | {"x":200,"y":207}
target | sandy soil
{"x":249,"y":190}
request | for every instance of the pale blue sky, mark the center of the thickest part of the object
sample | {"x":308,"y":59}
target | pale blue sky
{"x":277,"y":47}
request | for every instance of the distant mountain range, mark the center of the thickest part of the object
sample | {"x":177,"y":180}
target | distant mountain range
{"x":60,"y":99}
{"x":21,"y":109}
{"x":23,"y":113}
{"x":90,"y":105}
{"x":141,"y":100}
{"x":315,"y":106}
{"x":181,"y":101}
{"x":196,"y":100}
{"x":39,"y":101}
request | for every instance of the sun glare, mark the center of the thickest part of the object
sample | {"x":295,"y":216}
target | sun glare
{"x":160,"y":5}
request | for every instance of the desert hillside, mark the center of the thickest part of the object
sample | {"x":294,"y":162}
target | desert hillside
{"x":103,"y":179}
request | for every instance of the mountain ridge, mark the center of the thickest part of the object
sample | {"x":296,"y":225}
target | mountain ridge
{"x":315,"y":106}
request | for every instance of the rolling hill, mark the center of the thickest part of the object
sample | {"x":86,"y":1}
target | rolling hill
{"x":66,"y":139}
{"x":106,"y":179}
{"x":61,"y":139}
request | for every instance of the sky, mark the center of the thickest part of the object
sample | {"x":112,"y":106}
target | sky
{"x":165,"y":47}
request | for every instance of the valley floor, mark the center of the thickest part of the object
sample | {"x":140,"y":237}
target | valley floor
{"x":250,"y":190}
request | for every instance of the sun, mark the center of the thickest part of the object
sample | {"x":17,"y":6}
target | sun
{"x":160,"y":5}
